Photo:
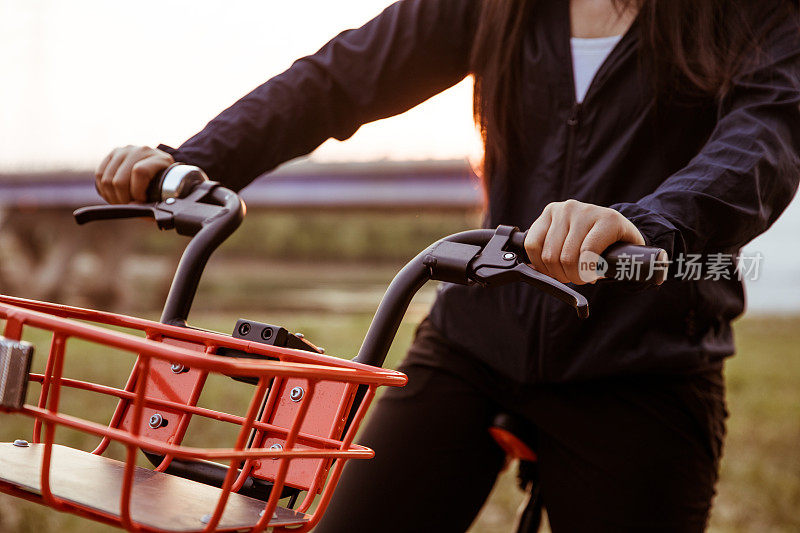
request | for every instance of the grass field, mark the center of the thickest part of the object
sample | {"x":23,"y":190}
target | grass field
{"x":759,"y":488}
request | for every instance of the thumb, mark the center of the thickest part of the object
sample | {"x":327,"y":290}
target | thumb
{"x":630,"y":233}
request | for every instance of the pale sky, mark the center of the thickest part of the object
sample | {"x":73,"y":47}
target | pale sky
{"x":82,"y":76}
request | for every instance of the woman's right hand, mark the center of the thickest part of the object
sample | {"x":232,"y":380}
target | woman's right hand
{"x":124,"y":174}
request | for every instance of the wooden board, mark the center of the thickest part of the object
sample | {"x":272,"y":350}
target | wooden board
{"x":159,"y":500}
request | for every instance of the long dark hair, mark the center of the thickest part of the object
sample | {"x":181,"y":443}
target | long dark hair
{"x":690,"y":47}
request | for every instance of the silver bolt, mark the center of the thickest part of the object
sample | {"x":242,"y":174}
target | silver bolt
{"x":177,"y":368}
{"x":156,"y":421}
{"x":21,"y":443}
{"x":509,"y":256}
{"x":206,"y":518}
{"x":169,"y":201}
{"x":296,"y":394}
{"x":321,"y":350}
{"x":276,"y":446}
{"x":299,"y":335}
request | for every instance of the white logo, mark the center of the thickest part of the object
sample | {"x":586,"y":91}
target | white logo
{"x":591,"y":267}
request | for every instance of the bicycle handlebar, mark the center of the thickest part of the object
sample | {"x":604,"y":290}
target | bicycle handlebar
{"x":186,"y":201}
{"x":213,"y":232}
{"x":419,"y":270}
{"x":501,"y":265}
{"x":617,"y":256}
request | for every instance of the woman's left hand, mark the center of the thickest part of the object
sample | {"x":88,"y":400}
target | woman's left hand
{"x":566,"y":230}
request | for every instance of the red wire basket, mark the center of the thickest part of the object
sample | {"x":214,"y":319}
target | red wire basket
{"x":295,"y":436}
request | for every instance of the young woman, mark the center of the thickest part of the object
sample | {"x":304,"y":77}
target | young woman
{"x":668,"y":122}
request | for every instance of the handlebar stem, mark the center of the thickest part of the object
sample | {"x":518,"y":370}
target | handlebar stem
{"x":194,"y":258}
{"x":402,"y":289}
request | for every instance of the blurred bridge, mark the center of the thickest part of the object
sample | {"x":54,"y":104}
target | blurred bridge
{"x":372,"y":185}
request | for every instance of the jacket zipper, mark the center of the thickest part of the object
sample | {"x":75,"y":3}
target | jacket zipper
{"x":573,"y":122}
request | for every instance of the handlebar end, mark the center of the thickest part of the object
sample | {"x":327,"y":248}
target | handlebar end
{"x":630,"y":262}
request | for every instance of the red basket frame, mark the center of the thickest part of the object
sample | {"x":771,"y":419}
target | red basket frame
{"x":313,"y":368}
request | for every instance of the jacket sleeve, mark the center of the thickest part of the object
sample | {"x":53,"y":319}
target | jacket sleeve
{"x":411,"y":51}
{"x":746,"y":173}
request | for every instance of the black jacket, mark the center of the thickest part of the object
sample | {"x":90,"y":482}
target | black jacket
{"x":697,"y":176}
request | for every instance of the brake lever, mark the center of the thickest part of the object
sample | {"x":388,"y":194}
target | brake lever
{"x":186,"y":215}
{"x":492,"y":275}
{"x":92,"y":213}
{"x":497,"y":265}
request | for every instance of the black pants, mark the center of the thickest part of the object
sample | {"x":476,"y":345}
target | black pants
{"x":632,"y":454}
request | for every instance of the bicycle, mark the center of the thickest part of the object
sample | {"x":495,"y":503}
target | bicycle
{"x":301,"y":421}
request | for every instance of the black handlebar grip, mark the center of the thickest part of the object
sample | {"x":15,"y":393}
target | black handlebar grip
{"x":623,"y":261}
{"x":627,"y":261}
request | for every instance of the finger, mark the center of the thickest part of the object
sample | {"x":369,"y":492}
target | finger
{"x":122,"y":177}
{"x":602,"y":235}
{"x":106,"y":182}
{"x":142,"y":174}
{"x":607,"y":230}
{"x":571,"y":251}
{"x":98,"y":173}
{"x":631,"y":233}
{"x":534,"y":241}
{"x":553,"y":244}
